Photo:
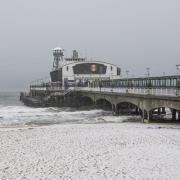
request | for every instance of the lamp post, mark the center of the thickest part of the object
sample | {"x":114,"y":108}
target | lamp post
{"x":178,"y":80}
{"x":148,"y":82}
{"x":148,"y":71}
{"x":178,"y":68}
{"x":127,"y":74}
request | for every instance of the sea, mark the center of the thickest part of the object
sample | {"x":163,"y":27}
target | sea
{"x":14,"y":113}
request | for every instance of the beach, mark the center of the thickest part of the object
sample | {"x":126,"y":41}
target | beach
{"x":91,"y":151}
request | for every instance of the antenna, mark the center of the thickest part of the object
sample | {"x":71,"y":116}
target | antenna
{"x":86,"y":54}
{"x":148,"y":71}
{"x":178,"y":68}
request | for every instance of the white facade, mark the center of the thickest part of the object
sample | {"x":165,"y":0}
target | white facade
{"x":111,"y":72}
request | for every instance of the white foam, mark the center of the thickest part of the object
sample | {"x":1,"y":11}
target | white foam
{"x":21,"y":115}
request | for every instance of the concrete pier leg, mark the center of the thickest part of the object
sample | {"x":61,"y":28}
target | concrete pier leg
{"x":150,"y":116}
{"x":115,"y":111}
{"x":163,"y":110}
{"x":142,"y":116}
{"x":137,"y":111}
{"x":159,"y":111}
{"x":178,"y":115}
{"x":173,"y":114}
{"x":146,"y":117}
{"x":55,"y":101}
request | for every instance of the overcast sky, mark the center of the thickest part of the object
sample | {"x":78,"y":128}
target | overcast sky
{"x":133,"y":34}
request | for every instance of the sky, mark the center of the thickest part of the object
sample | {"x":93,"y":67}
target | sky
{"x":133,"y":34}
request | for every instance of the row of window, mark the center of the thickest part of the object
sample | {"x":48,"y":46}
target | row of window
{"x":141,"y":83}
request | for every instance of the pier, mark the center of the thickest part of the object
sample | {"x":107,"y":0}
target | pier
{"x":148,"y":97}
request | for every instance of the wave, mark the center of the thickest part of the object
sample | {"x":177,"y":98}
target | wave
{"x":22,"y":115}
{"x":27,"y":116}
{"x":14,"y":113}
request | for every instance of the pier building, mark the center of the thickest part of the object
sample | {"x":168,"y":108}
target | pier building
{"x":74,"y":70}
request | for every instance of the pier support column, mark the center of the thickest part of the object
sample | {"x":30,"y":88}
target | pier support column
{"x":143,"y":116}
{"x":142,"y":120}
{"x":137,"y":111}
{"x":115,"y":111}
{"x":178,"y":115}
{"x":163,"y":110}
{"x":146,"y":117}
{"x":173,"y":114}
{"x":150,"y":116}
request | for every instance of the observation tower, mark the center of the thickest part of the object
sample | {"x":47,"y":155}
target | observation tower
{"x":58,"y":54}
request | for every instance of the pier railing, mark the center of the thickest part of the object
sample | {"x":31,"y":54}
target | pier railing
{"x":159,"y":86}
{"x":47,"y":88}
{"x":143,"y":91}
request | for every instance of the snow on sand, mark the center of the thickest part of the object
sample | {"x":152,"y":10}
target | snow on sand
{"x":91,"y":151}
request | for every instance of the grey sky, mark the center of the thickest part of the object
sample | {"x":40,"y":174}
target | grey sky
{"x":133,"y":34}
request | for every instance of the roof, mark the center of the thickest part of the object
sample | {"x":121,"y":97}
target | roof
{"x":82,"y":62}
{"x":58,"y":48}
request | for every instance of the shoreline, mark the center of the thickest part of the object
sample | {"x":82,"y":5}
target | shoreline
{"x":56,"y":125}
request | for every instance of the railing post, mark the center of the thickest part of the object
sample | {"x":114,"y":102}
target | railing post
{"x":178,"y":86}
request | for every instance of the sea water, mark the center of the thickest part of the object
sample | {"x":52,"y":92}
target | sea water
{"x":15,"y":113}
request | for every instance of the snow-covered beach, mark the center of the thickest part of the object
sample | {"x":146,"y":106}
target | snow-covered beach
{"x":91,"y":151}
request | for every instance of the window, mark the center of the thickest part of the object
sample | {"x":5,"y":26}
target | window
{"x":118,"y":71}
